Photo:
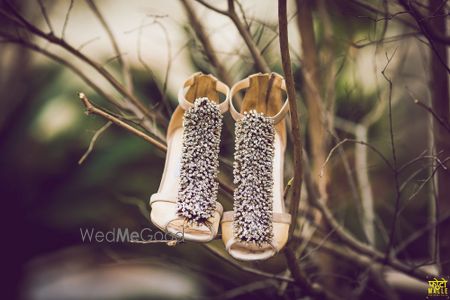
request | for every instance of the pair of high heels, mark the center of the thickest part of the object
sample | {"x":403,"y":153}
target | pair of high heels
{"x":186,"y":201}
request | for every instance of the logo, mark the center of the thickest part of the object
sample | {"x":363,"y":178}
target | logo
{"x":125,"y":235}
{"x":437,"y":288}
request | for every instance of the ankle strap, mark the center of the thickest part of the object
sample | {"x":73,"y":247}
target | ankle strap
{"x":245,"y":83}
{"x":220,"y":87}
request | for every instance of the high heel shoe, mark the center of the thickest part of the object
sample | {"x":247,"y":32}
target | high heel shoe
{"x":258,"y":227}
{"x":185,"y":204}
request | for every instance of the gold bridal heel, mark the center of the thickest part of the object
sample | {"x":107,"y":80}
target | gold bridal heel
{"x":258,"y":227}
{"x":185,"y":204}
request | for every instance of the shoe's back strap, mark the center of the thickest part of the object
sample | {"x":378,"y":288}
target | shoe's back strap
{"x":245,"y":83}
{"x":220,"y":87}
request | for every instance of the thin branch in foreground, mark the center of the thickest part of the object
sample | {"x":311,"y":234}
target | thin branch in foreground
{"x":79,"y":48}
{"x":134,"y":104}
{"x":246,"y":268}
{"x":378,"y":152}
{"x":93,"y":140}
{"x":300,"y":278}
{"x":44,"y":13}
{"x":348,"y":239}
{"x":290,"y":85}
{"x":91,"y":109}
{"x":260,"y":62}
{"x":398,"y":193}
{"x":442,"y":122}
{"x":66,"y":19}
{"x":65,"y":62}
{"x":123,"y":63}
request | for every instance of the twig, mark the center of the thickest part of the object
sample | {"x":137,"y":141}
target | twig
{"x":418,"y":233}
{"x":428,"y":32}
{"x":386,"y":161}
{"x":385,"y":40}
{"x":290,"y":85}
{"x":133,"y":104}
{"x":161,"y":90}
{"x":416,"y":192}
{"x":300,"y":278}
{"x":376,"y":11}
{"x":44,"y":13}
{"x":123,"y":63}
{"x":245,"y":268}
{"x":348,"y":238}
{"x":394,"y":158}
{"x":91,"y":109}
{"x":213,"y":8}
{"x":442,"y":122}
{"x":93,"y":140}
{"x":206,"y":42}
{"x":260,"y":62}
{"x":64,"y":62}
{"x":87,"y":43}
{"x":366,"y":203}
{"x":66,"y":19}
{"x":313,"y":289}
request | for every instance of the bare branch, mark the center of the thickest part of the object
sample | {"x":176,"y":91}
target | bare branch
{"x":207,"y":45}
{"x":244,"y":267}
{"x":87,"y":43}
{"x":260,"y":63}
{"x":68,"y":64}
{"x":394,"y":158}
{"x":290,"y":85}
{"x":348,"y":238}
{"x":91,"y":109}
{"x":123,"y":62}
{"x":213,"y":8}
{"x":66,"y":19}
{"x":378,"y":152}
{"x":44,"y":13}
{"x":93,"y":140}
{"x":441,"y":121}
{"x":418,"y":233}
{"x":133,"y":104}
{"x":422,"y":21}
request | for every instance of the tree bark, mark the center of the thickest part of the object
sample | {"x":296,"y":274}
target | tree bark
{"x":317,"y":137}
{"x":440,"y":104}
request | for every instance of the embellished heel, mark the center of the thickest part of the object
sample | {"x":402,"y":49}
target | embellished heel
{"x":258,"y":226}
{"x":185,"y":204}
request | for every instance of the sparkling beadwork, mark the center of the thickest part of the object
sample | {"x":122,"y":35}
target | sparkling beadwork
{"x":253,"y":177}
{"x":200,"y":161}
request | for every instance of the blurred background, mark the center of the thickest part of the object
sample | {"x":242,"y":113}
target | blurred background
{"x":48,"y":195}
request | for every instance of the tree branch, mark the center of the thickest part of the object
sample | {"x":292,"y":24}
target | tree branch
{"x":92,"y":109}
{"x":260,"y":62}
{"x":123,"y":63}
{"x":133,"y":104}
{"x":290,"y":85}
{"x":93,"y":140}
